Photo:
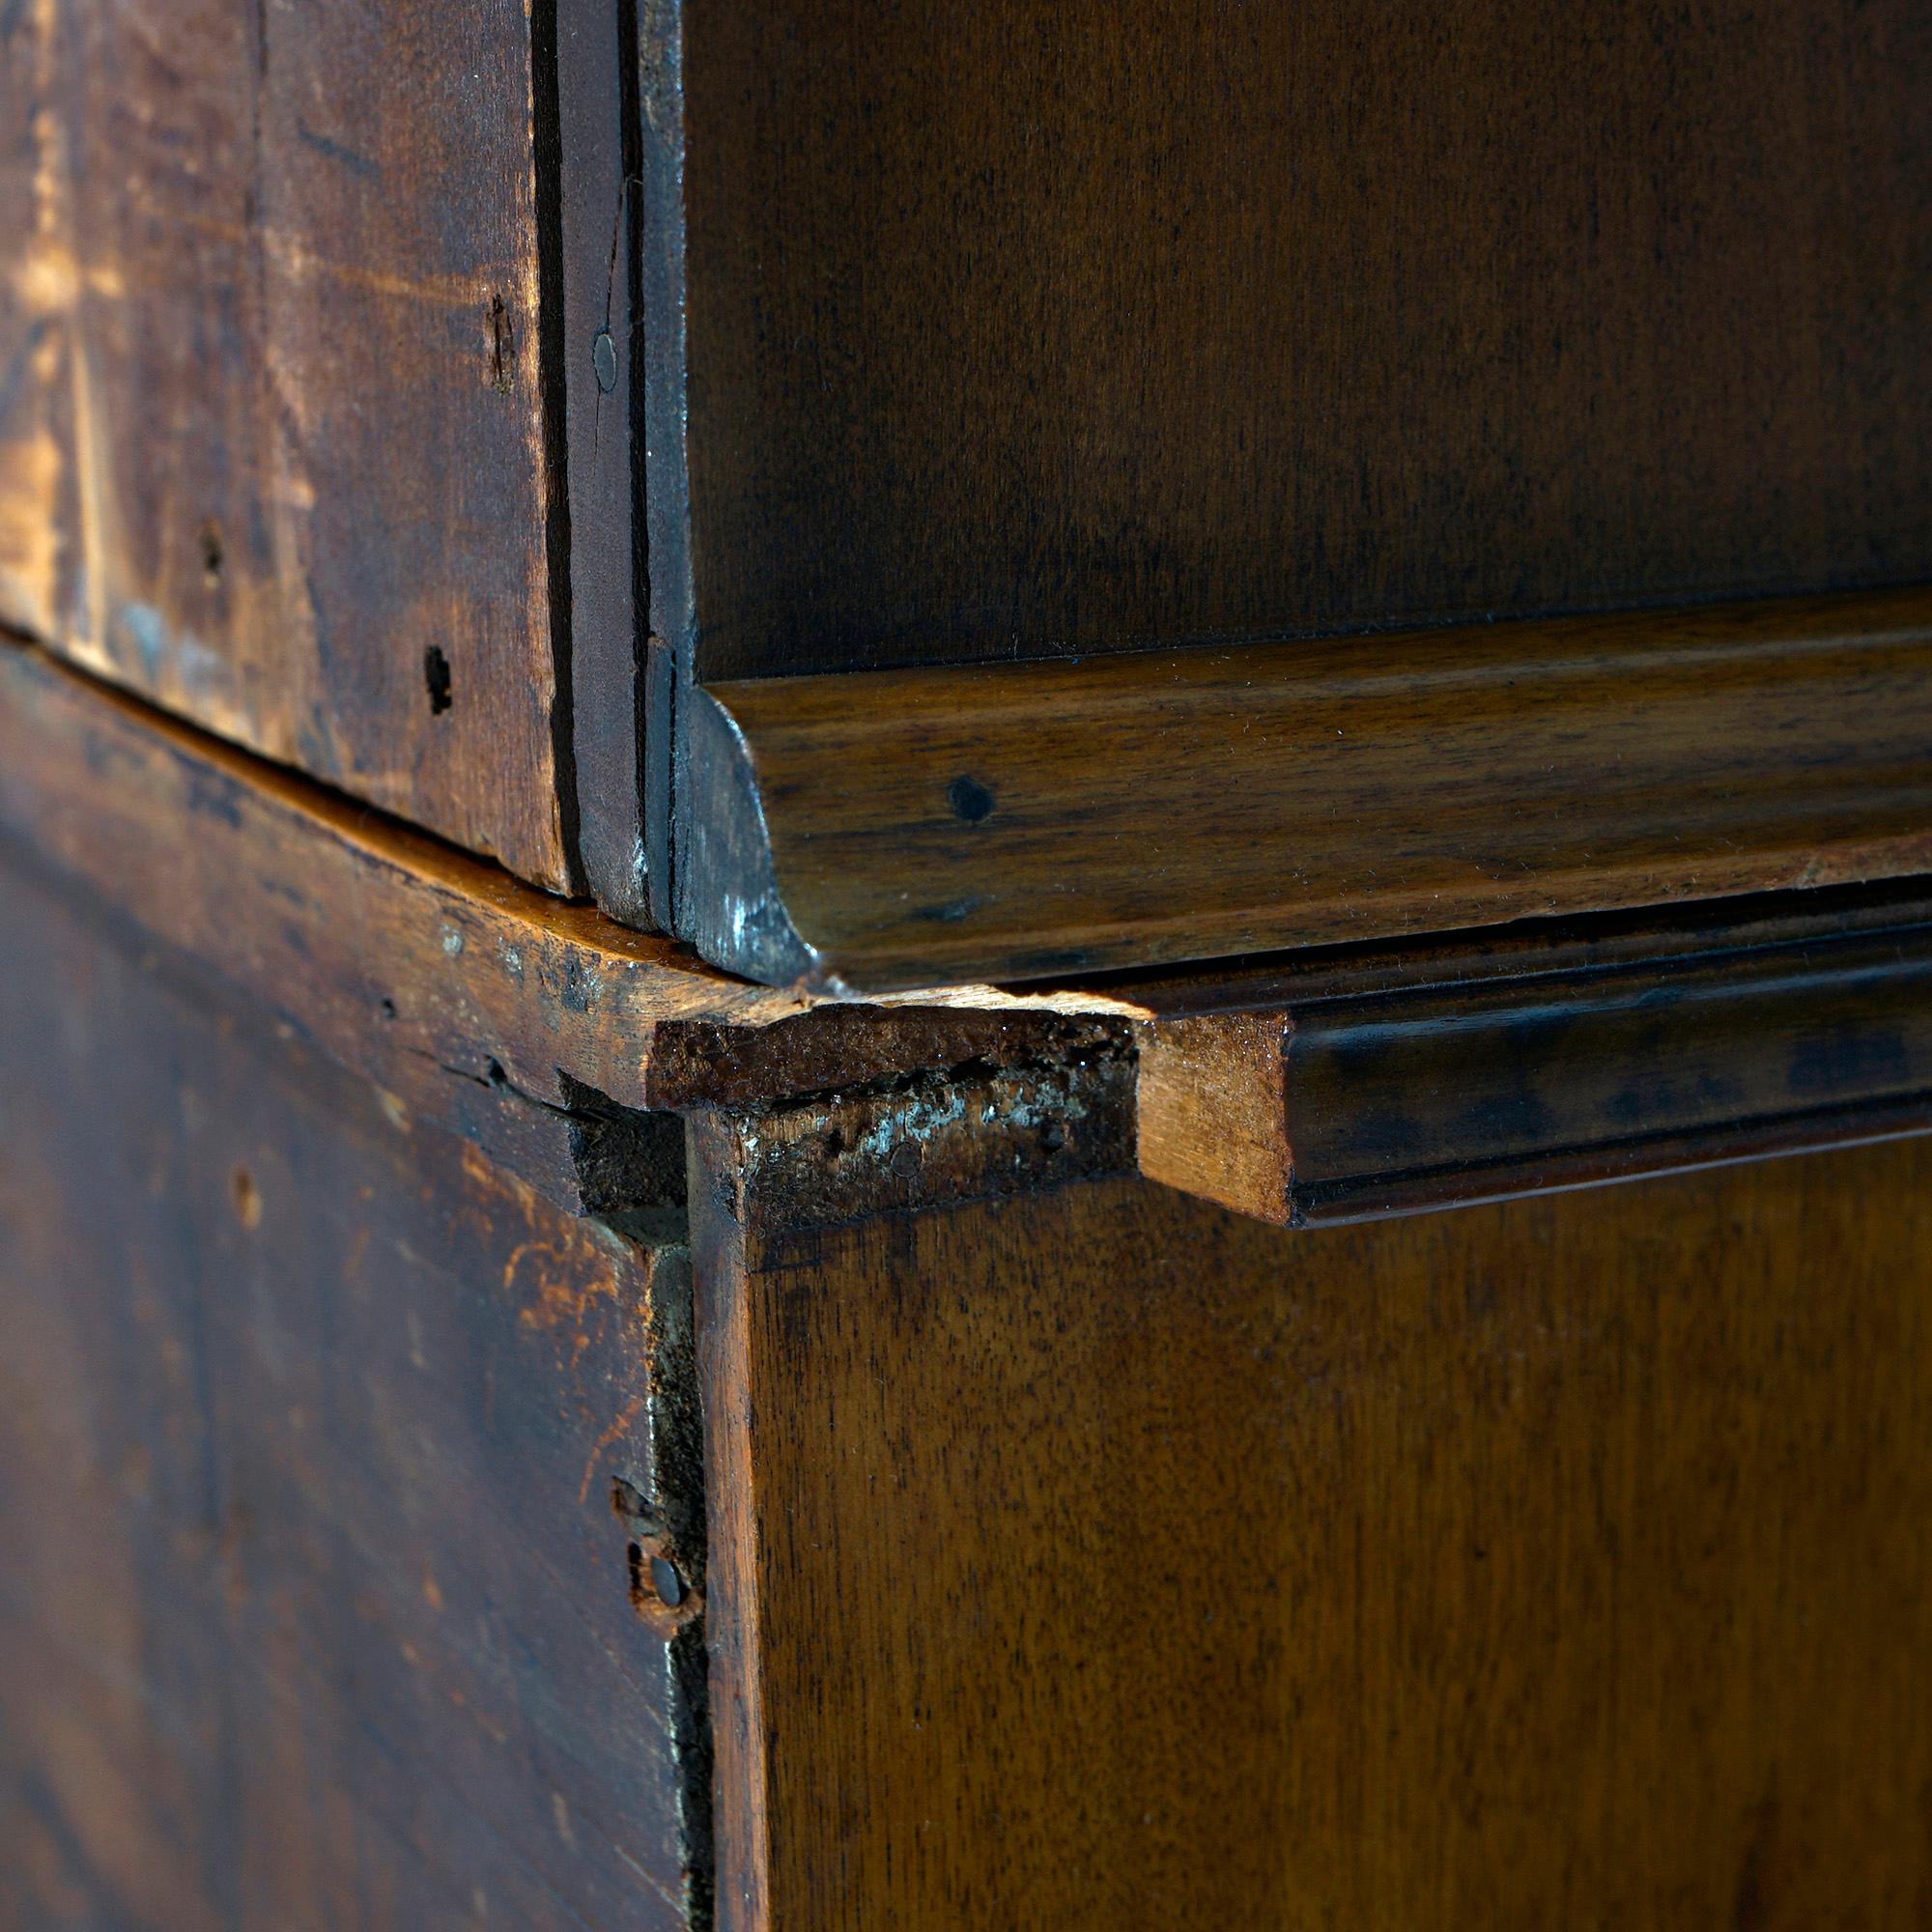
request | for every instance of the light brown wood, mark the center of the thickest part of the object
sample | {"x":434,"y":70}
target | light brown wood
{"x":1100,"y":1558}
{"x":1212,"y":1109}
{"x":901,"y":828}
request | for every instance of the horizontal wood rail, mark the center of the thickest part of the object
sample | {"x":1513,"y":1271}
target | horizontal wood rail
{"x":877,"y":830}
{"x":430,"y":971}
{"x":1364,"y":1086}
{"x":1340,"y":1083}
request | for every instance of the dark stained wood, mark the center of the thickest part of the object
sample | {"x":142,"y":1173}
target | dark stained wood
{"x":417,"y":965}
{"x":274,"y":446}
{"x":1344,"y":1091}
{"x":1012,"y":821}
{"x":1095,"y":1557}
{"x":1056,"y":326}
{"x":316,"y":1609}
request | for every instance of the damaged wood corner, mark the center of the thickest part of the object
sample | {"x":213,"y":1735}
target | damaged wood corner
{"x":921,"y":1141}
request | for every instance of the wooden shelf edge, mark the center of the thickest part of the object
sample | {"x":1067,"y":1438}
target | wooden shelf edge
{"x":1562,"y":1069}
{"x":417,"y":965}
{"x":877,"y":831}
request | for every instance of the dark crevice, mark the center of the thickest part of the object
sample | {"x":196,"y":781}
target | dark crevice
{"x":630,"y":1166}
{"x":631,"y":158}
{"x":435,"y":677}
{"x":502,"y":347}
{"x":631,"y":1172}
{"x":547,"y":119}
{"x":691,"y":1746}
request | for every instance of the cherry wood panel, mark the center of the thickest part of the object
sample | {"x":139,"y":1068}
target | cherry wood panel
{"x":899,"y":828}
{"x":275,"y":436}
{"x":316,"y":1610}
{"x":1096,"y":1557}
{"x":1050,"y":327}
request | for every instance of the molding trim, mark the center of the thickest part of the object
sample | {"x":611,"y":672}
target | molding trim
{"x":879,"y":830}
{"x":1378,"y":1086}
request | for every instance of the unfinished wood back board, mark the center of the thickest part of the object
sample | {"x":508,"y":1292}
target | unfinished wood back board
{"x":281,"y":387}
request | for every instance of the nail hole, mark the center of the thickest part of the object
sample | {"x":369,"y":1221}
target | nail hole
{"x":246,"y":1196}
{"x":835,"y":1143}
{"x":210,"y":553}
{"x":387,"y":1007}
{"x":436,"y":674}
{"x":970,"y":799}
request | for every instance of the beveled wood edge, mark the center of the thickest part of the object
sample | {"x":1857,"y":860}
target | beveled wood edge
{"x":862,"y":833}
{"x":1557,"y":1065}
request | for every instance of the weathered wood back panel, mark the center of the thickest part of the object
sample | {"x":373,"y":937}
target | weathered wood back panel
{"x":1052,"y":325}
{"x":314,"y":1608}
{"x":1099,"y":1558}
{"x":272,"y":416}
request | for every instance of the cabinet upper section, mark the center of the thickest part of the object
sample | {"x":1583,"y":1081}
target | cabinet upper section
{"x":1049,"y":326}
{"x":900,"y":494}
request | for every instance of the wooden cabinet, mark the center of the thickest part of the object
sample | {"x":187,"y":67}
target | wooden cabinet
{"x":893,"y":501}
{"x":502,"y":1422}
{"x":839,"y":852}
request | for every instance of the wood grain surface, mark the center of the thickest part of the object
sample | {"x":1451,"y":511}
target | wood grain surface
{"x":315,"y":1608}
{"x":1346,"y":1090}
{"x":417,"y":964}
{"x":1054,"y":326}
{"x":1095,"y":1557}
{"x":1012,"y":821}
{"x":274,"y":444}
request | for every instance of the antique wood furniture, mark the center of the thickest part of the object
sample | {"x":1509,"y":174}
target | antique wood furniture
{"x":1104,"y":485}
{"x":839,"y":848}
{"x":504,"y":1425}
